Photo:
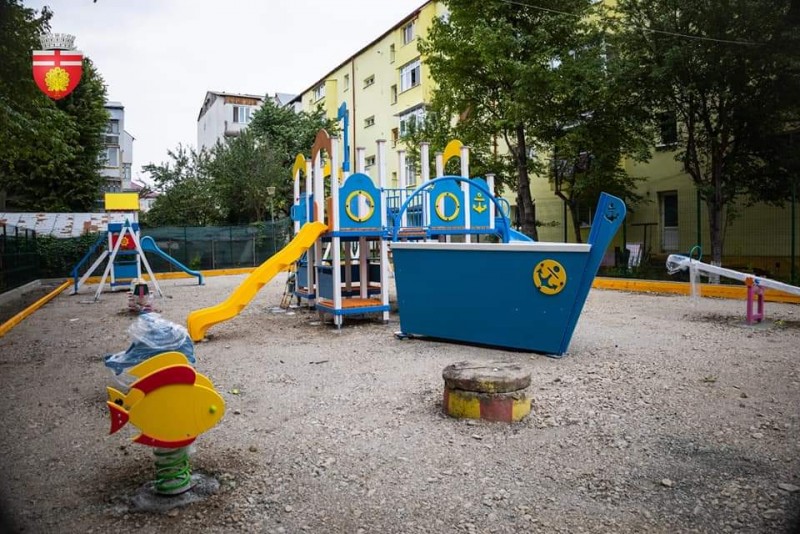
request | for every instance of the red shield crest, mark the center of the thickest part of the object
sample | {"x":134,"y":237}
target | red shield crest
{"x":57,"y":72}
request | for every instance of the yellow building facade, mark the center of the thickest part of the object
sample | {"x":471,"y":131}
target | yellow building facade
{"x":384,"y":86}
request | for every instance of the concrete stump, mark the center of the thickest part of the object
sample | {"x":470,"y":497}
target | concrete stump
{"x":494,"y":391}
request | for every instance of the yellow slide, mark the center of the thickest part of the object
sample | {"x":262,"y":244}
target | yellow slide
{"x":201,"y":320}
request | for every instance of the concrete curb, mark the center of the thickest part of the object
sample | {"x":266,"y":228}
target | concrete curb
{"x":737,"y":292}
{"x":18,"y":318}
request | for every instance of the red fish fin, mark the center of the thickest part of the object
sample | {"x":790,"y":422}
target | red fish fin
{"x":118,"y":416}
{"x":167,"y":376}
{"x":155,"y":442}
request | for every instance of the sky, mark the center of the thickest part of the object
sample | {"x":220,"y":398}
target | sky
{"x":159,"y":57}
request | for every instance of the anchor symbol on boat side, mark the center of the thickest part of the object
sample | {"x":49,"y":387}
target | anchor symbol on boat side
{"x":611,"y":214}
{"x":480,"y":203}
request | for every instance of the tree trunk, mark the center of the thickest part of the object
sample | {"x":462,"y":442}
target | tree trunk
{"x":576,"y":222}
{"x":716,"y":229}
{"x":525,"y":205}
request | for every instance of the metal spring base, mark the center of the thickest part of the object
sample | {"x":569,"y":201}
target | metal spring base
{"x":173,"y":472}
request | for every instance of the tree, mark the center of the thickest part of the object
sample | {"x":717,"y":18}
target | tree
{"x":536,"y":79}
{"x":489,"y":59}
{"x":48,"y":150}
{"x":186,"y":191}
{"x":596,"y":127}
{"x":728,"y":72}
{"x":243,"y":169}
{"x":287,"y":132}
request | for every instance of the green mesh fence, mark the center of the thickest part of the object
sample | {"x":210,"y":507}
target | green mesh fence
{"x":218,"y":247}
{"x":19,"y":260}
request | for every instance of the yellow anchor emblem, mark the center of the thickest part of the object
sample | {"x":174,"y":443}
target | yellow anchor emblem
{"x":480,"y":203}
{"x":549,"y":277}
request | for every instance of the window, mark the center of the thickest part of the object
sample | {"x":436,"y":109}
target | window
{"x":408,"y":32}
{"x":395,"y":136}
{"x":670,"y":237}
{"x":391,"y":53}
{"x":319,"y":92}
{"x":112,"y":127}
{"x":409,"y":75}
{"x":346,"y":82}
{"x":393,"y":94}
{"x":112,"y":133}
{"x":411,"y":119}
{"x":369,"y":80}
{"x":241,"y":114}
{"x":369,"y":161}
{"x":111,"y":157}
{"x":369,"y":121}
{"x":667,"y":129}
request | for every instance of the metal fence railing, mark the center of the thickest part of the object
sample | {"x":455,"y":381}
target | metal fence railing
{"x":19,"y":258}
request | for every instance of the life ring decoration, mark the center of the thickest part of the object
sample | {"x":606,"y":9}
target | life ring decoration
{"x":440,"y":202}
{"x":549,"y":277}
{"x":369,"y":201}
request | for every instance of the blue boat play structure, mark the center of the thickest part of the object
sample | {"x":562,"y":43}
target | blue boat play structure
{"x":518,"y":295}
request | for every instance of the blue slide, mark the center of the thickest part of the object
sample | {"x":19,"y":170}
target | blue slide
{"x":148,"y":245}
{"x":501,"y":222}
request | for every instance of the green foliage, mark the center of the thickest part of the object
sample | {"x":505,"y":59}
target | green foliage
{"x":528,"y":80}
{"x":229,"y":183}
{"x":289,"y":133}
{"x":242,"y":171}
{"x":48,"y":150}
{"x":186,"y":191}
{"x":57,"y":256}
{"x":727,"y":70}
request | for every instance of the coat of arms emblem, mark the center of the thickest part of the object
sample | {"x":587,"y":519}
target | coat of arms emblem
{"x":57,"y":69}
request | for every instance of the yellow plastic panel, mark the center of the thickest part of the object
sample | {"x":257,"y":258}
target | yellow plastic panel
{"x":122,"y":201}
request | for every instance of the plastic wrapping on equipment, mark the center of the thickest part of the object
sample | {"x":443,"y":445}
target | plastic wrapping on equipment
{"x":150,"y":335}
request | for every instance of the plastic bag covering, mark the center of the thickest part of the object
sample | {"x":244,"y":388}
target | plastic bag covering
{"x":151,"y":335}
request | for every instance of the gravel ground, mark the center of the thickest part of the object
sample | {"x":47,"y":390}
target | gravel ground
{"x":666,"y":416}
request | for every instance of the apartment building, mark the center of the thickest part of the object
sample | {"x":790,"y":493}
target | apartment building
{"x":117,"y":157}
{"x":224,"y":115}
{"x":384,"y":87}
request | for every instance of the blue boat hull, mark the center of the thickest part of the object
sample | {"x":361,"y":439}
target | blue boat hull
{"x":521,"y":295}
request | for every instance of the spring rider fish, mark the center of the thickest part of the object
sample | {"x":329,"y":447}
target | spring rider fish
{"x":169,"y":402}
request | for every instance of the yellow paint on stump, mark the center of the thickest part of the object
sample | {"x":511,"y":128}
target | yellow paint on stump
{"x":461,"y":405}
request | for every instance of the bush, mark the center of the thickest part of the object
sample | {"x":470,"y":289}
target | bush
{"x":58,"y":256}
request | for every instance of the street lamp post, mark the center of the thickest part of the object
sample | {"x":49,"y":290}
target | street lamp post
{"x":271,"y":194}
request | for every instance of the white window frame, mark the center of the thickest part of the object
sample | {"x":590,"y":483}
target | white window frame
{"x":410,"y":75}
{"x":346,"y":82}
{"x":241,"y":114}
{"x":107,"y":160}
{"x":369,"y":161}
{"x":369,"y":80}
{"x":319,"y":92}
{"x":393,"y":95}
{"x":416,"y":115}
{"x":409,"y":33}
{"x":369,"y":121}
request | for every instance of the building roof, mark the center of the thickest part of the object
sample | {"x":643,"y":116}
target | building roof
{"x":284,"y":98}
{"x":65,"y":224}
{"x":211,"y":96}
{"x":402,"y":21}
{"x":111,"y":104}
